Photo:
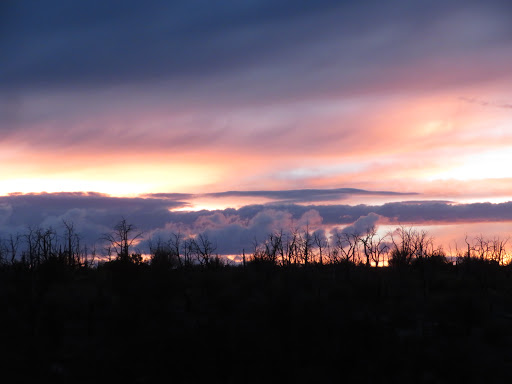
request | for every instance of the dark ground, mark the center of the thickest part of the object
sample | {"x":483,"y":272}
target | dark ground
{"x":429,"y":323}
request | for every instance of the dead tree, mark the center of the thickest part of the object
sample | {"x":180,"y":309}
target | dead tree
{"x":45,"y":242}
{"x":187,"y":251}
{"x":30,"y":256}
{"x":71,"y":244}
{"x":13,"y":243}
{"x":469,"y":247}
{"x":367,"y":241}
{"x":499,"y":249}
{"x":320,"y":240}
{"x":122,"y":238}
{"x":306,"y":246}
{"x":203,"y":249}
{"x":175,"y":244}
{"x":271,"y":248}
{"x":346,"y":245}
{"x":374,"y":246}
{"x":481,"y":247}
{"x":423,"y":244}
{"x":404,"y":245}
{"x":290,"y":248}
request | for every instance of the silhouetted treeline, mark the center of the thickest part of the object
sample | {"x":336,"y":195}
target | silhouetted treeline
{"x":292,"y":312}
{"x":39,"y":245}
{"x":295,"y":246}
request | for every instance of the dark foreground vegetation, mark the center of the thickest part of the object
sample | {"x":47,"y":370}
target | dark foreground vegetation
{"x":427,"y":322}
{"x":289,"y":313}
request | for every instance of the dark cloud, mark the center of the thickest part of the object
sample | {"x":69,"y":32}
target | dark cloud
{"x":231,"y":229}
{"x":93,"y":213}
{"x":401,"y":212}
{"x":171,"y":196}
{"x":306,"y":195}
{"x":164,"y":73}
{"x":59,"y":44}
{"x":286,"y":196}
{"x":113,"y":41}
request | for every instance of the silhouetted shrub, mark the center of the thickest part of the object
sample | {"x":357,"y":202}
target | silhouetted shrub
{"x":436,"y":261}
{"x":399,"y":258}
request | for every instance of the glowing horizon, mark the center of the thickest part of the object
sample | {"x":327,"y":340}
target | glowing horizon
{"x":255,"y":103}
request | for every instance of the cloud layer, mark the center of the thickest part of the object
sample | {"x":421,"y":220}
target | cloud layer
{"x":287,"y":196}
{"x":271,"y":101}
{"x":232,"y":230}
{"x":93,"y":44}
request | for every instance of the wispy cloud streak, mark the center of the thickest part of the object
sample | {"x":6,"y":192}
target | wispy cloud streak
{"x":484,"y":103}
{"x":295,"y":196}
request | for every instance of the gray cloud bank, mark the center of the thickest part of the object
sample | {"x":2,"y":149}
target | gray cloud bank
{"x":60,"y":44}
{"x":231,"y":229}
{"x":288,"y":196}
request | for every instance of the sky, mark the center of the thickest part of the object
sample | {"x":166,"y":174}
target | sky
{"x":207,"y":114}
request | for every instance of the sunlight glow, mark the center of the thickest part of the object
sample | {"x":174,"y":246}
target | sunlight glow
{"x":114,"y":179}
{"x":38,"y":185}
{"x":489,"y":165}
{"x":435,"y":128}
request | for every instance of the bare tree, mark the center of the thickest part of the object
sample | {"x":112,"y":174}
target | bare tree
{"x":306,"y":245}
{"x":271,"y":248}
{"x":374,"y":246}
{"x":31,"y":251}
{"x":280,"y":248}
{"x":481,"y":247}
{"x":346,"y":246}
{"x":367,"y":240}
{"x":122,"y":238}
{"x":292,"y":246}
{"x":14,"y":242}
{"x":380,"y":250}
{"x":108,"y":252}
{"x":203,"y":249}
{"x":410,"y":243}
{"x":175,"y":244}
{"x":71,"y":244}
{"x":423,"y":244}
{"x":92,"y":260}
{"x":188,"y":251}
{"x":404,"y":245}
{"x":45,"y":241}
{"x":166,"y":253}
{"x":469,"y":247}
{"x":320,"y":240}
{"x":498,"y":249}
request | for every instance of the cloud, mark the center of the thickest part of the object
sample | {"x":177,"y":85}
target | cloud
{"x":305,"y":195}
{"x":300,"y":93}
{"x":288,"y":87}
{"x":232,"y":234}
{"x":5,"y":213}
{"x":289,"y":196}
{"x":170,"y":196}
{"x":361,"y":225}
{"x":93,"y":44}
{"x":484,"y":103}
{"x":232,"y":230}
{"x":93,"y":213}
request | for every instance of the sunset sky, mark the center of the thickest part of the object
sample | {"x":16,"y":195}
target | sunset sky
{"x":158,"y":109}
